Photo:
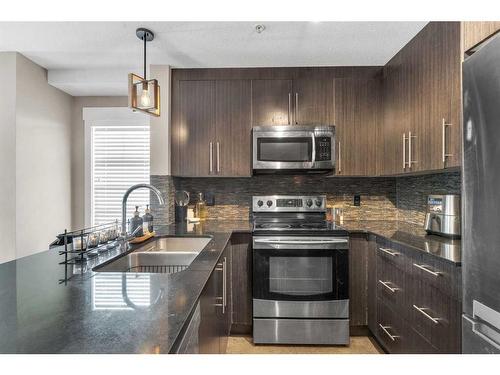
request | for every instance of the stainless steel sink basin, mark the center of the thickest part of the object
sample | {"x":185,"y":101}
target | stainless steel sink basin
{"x":177,"y":244}
{"x":164,"y":255}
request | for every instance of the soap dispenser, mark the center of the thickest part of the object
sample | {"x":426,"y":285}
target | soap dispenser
{"x":136,"y":224}
{"x":147,"y":219}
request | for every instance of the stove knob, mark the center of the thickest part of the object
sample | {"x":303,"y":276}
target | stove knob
{"x":309,"y":202}
{"x":269,"y":203}
{"x":318,"y":202}
{"x":260,"y":203}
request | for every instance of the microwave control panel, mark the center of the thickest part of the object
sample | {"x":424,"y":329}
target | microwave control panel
{"x":323,"y":148}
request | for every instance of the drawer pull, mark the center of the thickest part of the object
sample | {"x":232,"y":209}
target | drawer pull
{"x":391,"y":289}
{"x":385,"y":329}
{"x":424,"y":268}
{"x":388,"y":251}
{"x":422,"y":311}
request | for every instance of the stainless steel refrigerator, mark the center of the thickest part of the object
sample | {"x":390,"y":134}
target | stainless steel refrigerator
{"x":481,"y":200}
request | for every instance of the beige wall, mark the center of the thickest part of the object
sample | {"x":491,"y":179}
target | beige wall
{"x":43,"y":170}
{"x":7,"y":156}
{"x":78,"y":150}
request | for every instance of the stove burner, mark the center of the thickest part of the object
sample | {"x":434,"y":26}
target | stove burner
{"x":275,"y":225}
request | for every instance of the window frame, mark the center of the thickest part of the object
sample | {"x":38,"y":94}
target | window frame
{"x":104,"y":116}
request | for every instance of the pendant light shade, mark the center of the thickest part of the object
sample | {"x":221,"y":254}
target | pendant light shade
{"x":144,"y":94}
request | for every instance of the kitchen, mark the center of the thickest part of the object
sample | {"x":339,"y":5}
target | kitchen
{"x":249,"y":207}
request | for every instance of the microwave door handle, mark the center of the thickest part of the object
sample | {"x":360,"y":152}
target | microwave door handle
{"x":313,"y":156}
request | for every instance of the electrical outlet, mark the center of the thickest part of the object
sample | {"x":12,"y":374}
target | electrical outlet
{"x":210,"y":198}
{"x":357,"y":200}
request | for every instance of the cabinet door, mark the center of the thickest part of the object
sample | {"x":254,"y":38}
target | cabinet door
{"x":392,"y":157}
{"x":372,"y":284}
{"x":357,"y":117}
{"x":193,"y":128}
{"x":271,"y":102}
{"x":223,"y":298}
{"x":439,"y":62}
{"x":209,"y":342}
{"x":233,"y":128}
{"x":241,"y":283}
{"x":313,"y":101}
{"x":358,"y":273}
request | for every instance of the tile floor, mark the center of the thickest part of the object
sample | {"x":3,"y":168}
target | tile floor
{"x":359,"y":345}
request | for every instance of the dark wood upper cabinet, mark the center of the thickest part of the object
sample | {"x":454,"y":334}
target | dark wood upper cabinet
{"x":211,"y":128}
{"x":193,"y":128}
{"x":422,"y":101}
{"x":313,"y":101}
{"x":357,"y":104}
{"x":474,"y":32}
{"x":233,"y":128}
{"x":272,"y":102}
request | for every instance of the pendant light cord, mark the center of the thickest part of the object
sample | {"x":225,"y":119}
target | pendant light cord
{"x":145,"y":40}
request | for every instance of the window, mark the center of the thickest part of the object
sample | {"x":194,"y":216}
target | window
{"x":117,"y":157}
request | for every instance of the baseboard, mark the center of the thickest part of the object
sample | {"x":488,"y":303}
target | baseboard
{"x":241,"y":329}
{"x":359,"y":331}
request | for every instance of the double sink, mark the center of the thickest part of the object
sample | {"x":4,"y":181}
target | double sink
{"x":162,"y":255}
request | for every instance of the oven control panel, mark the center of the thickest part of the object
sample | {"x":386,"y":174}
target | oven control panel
{"x":289,"y":203}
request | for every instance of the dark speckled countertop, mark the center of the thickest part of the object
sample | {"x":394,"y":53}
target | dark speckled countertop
{"x":88,"y":314}
{"x":409,"y":235}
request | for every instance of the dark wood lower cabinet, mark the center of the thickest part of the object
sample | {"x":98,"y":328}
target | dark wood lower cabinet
{"x":418,"y":301}
{"x":241,"y":283}
{"x":215,"y":308}
{"x":358,"y":283}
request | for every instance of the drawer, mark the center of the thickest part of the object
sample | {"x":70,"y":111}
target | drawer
{"x":420,"y":345}
{"x":440,"y":275}
{"x":391,"y":330}
{"x":391,"y":287}
{"x":435,"y":316}
{"x":389,"y":253}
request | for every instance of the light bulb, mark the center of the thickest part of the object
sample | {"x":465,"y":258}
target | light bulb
{"x":145,"y":99}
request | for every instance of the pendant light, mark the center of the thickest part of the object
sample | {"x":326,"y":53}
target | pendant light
{"x":144,"y":94}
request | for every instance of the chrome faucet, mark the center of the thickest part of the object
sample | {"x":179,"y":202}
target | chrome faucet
{"x":124,"y":203}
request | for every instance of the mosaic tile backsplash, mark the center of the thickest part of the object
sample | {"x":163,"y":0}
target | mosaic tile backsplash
{"x":382,"y":198}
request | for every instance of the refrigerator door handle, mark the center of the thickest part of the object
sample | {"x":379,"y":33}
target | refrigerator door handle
{"x":485,"y":323}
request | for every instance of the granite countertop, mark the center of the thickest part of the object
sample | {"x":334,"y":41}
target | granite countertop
{"x":410,"y":235}
{"x":88,"y":314}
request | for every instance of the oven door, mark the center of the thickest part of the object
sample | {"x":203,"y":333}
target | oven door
{"x":283,"y":149}
{"x":300,"y":277}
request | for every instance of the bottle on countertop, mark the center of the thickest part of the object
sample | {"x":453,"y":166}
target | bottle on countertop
{"x":147,"y":220}
{"x":136,"y":224}
{"x":200,"y":208}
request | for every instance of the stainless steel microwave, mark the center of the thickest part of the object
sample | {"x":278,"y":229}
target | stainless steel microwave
{"x":293,"y":149}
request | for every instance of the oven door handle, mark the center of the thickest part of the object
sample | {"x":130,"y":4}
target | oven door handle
{"x":300,"y":242}
{"x":313,"y":156}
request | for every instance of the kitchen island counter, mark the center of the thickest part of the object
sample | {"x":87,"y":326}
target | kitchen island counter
{"x":89,"y":314}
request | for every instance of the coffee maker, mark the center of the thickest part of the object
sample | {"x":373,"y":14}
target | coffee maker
{"x":443,"y":215}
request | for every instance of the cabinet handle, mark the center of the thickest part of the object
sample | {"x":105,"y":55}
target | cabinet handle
{"x":424,"y":268}
{"x":385,"y":329}
{"x":422,"y":311}
{"x":340,"y":161}
{"x":218,"y":157}
{"x":222,"y":267}
{"x":410,"y":162}
{"x":404,"y":151}
{"x":211,"y":156}
{"x":289,"y":107}
{"x":445,"y":155}
{"x":388,"y":251}
{"x":384,"y":283}
{"x":296,"y":107}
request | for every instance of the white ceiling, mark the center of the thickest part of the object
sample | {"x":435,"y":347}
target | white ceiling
{"x":93,"y":58}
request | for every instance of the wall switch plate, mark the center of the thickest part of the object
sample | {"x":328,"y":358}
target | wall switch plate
{"x":210,"y":198}
{"x":357,"y":200}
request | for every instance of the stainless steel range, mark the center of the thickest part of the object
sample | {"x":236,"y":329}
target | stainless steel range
{"x":300,"y":273}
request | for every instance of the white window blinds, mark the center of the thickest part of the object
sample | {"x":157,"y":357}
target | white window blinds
{"x":119,"y":159}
